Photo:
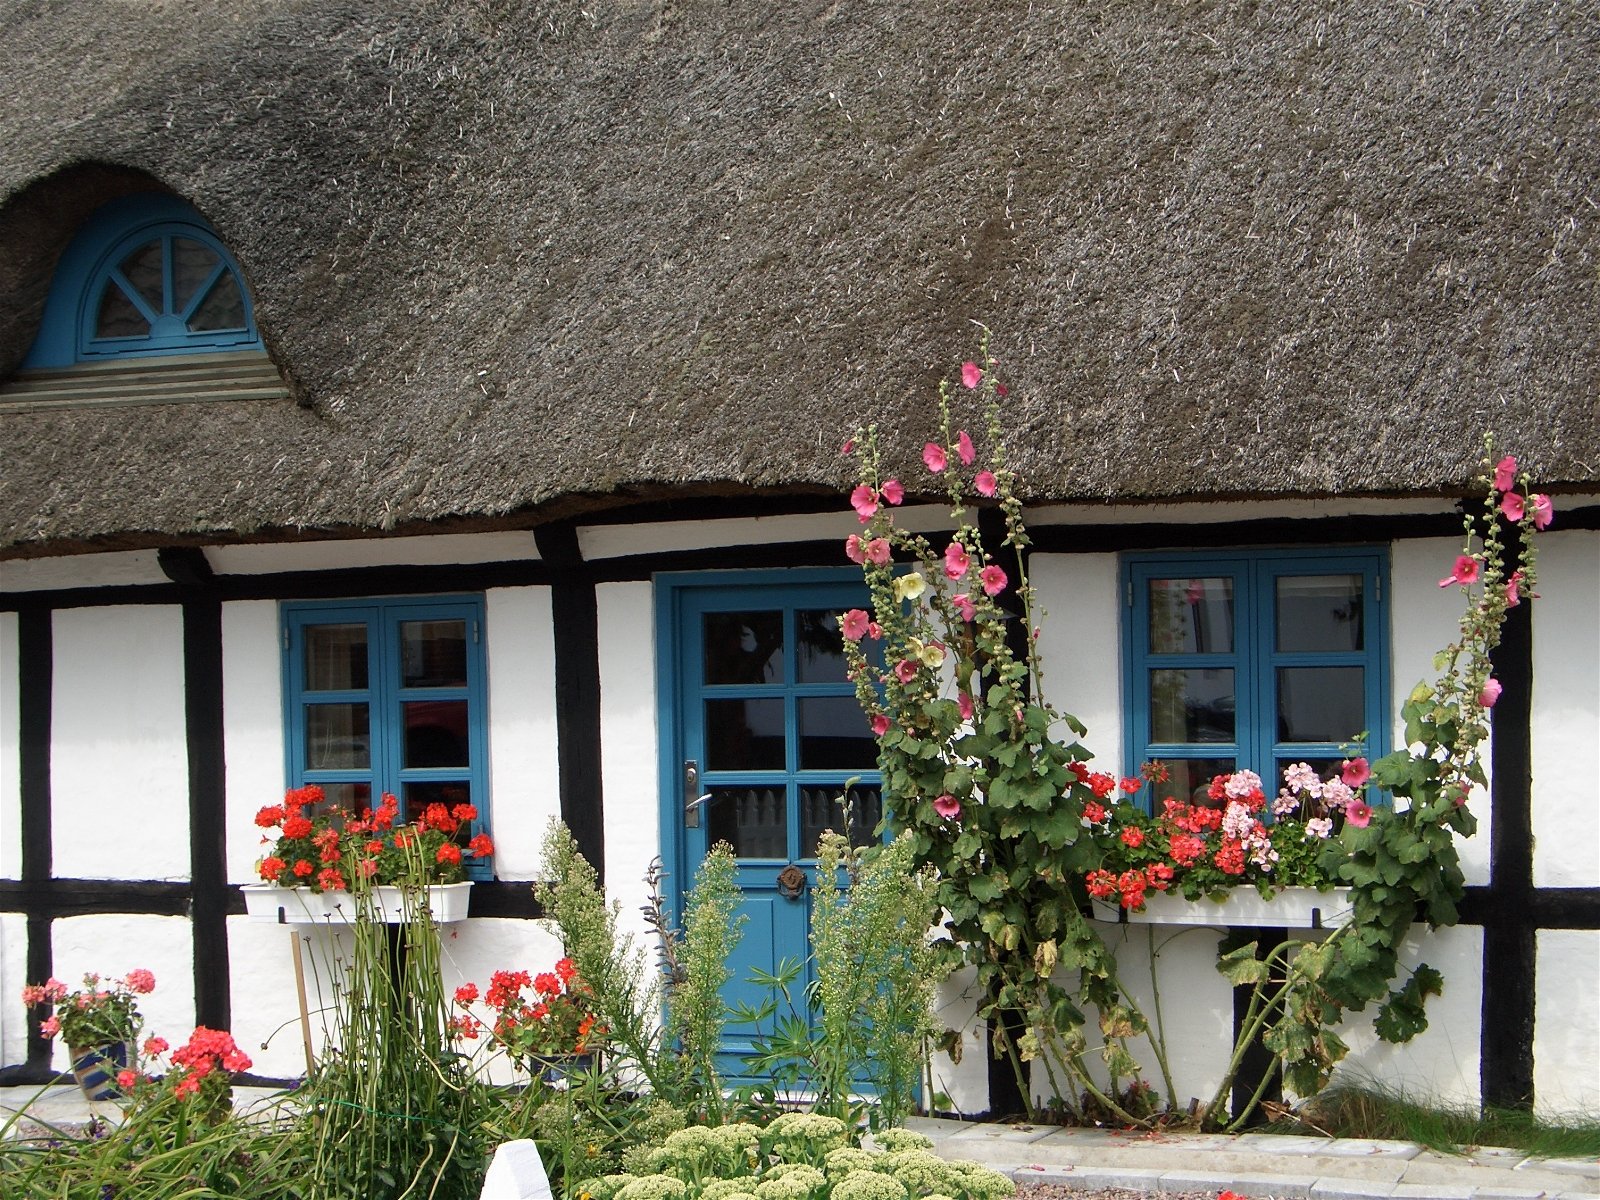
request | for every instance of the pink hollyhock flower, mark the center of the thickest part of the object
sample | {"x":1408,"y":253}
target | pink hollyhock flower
{"x":947,"y":806}
{"x":854,"y":624}
{"x":963,"y":604}
{"x":880,"y":725}
{"x":1358,"y":814}
{"x":853,"y":550}
{"x":986,"y":483}
{"x":956,"y":560}
{"x":865,"y":501}
{"x":971,"y":373}
{"x":1465,"y":572}
{"x":905,"y":670}
{"x":1354,"y":772}
{"x":1514,"y":589}
{"x":893,"y":492}
{"x":848,"y":447}
{"x":933,"y":455}
{"x":1505,"y":473}
{"x":874,"y":630}
{"x":964,"y":704}
{"x":1511,"y":506}
{"x":1490,"y":693}
{"x":994,"y":580}
{"x":1001,"y":389}
{"x":1543,"y":510}
{"x":964,"y":449}
{"x":877,"y":551}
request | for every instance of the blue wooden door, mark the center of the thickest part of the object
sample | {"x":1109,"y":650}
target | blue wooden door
{"x":766,"y":731}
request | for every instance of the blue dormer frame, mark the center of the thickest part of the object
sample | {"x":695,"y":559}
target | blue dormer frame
{"x":93,"y":262}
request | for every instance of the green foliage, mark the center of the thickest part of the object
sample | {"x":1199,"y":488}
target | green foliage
{"x":696,"y":1011}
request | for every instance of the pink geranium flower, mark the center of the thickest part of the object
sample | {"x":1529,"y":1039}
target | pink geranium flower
{"x":1354,"y":772}
{"x":880,"y":725}
{"x":971,"y":373}
{"x":865,"y":501}
{"x":854,"y":551}
{"x":933,"y":455}
{"x":963,"y":604}
{"x":1543,"y":510}
{"x":854,"y":624}
{"x":1511,"y":506}
{"x":993,"y":579}
{"x":1505,"y":473}
{"x":1465,"y":572}
{"x":877,"y":551}
{"x":956,"y":560}
{"x":1490,"y":692}
{"x":947,"y":806}
{"x":1358,"y":814}
{"x":986,"y":483}
{"x":964,"y":449}
{"x":140,"y":981}
{"x":893,"y":493}
{"x":905,"y":670}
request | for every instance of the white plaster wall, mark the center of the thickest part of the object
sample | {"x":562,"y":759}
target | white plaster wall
{"x":252,"y":727}
{"x":13,"y":977}
{"x":117,"y":744}
{"x":629,"y":753}
{"x":524,"y":785}
{"x":1566,"y":714}
{"x":473,"y":951}
{"x":1425,"y":618}
{"x":113,"y":945}
{"x":1440,"y":1064}
{"x":1566,"y":1033}
{"x":82,"y":570}
{"x":619,"y":541}
{"x":10,"y":752}
{"x":1081,"y":647}
{"x":431,"y":550}
{"x":961,"y":1087}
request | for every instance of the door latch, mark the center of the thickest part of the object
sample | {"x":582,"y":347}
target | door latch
{"x":691,"y":785}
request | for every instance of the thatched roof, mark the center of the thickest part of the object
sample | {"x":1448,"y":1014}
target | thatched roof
{"x":516,"y":257}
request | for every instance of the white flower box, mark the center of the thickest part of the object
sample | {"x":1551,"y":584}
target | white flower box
{"x":301,"y":906}
{"x":1289,"y":908}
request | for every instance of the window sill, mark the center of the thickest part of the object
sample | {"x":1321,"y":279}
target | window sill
{"x":301,"y":906}
{"x":1290,"y":908}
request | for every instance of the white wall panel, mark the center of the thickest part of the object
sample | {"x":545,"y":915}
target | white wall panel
{"x":964,"y":1085}
{"x":117,"y":744}
{"x":1566,"y":712}
{"x":1426,"y":618}
{"x":430,"y":550}
{"x":629,"y":754}
{"x":524,"y":785}
{"x":1082,"y":648}
{"x":10,"y":752}
{"x":13,"y":977}
{"x":252,"y":727}
{"x":1566,"y":1033}
{"x":113,"y":945}
{"x":120,"y":568}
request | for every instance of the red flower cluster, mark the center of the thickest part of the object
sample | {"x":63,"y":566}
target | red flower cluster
{"x":557,"y":1019}
{"x":207,"y":1051}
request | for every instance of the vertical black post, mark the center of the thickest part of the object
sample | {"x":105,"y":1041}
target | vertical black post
{"x":1509,"y":939}
{"x":35,"y":686}
{"x":202,"y":679}
{"x":577,"y":649}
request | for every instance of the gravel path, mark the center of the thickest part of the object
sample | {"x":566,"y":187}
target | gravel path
{"x":1055,"y":1191}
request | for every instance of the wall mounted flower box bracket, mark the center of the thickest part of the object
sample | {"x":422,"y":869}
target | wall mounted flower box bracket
{"x":1289,"y":908}
{"x":301,"y":906}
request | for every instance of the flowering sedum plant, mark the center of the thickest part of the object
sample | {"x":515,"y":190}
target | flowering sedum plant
{"x":103,"y":1013}
{"x":321,"y":846}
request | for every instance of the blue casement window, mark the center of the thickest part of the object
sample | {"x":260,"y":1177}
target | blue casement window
{"x":1254,"y":660}
{"x":389,"y":696}
{"x":145,"y":276}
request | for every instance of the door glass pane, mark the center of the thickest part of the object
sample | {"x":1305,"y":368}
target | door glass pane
{"x":834,"y":735}
{"x":118,"y":316}
{"x":744,"y":647}
{"x":1192,"y":705}
{"x":337,"y":737}
{"x":433,"y":654}
{"x":223,"y":307}
{"x":192,"y":264}
{"x":1319,"y":613}
{"x":819,"y":654}
{"x":753,"y":820}
{"x":1188,"y":780}
{"x":1191,"y":616}
{"x":142,"y":268}
{"x":821,"y":809}
{"x":336,"y":658}
{"x":744,"y":735}
{"x":416,"y":797}
{"x":1321,"y":704}
{"x":436,"y":733}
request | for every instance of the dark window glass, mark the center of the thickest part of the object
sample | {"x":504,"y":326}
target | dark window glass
{"x":1191,"y":616}
{"x":1320,"y":704}
{"x":819,"y":656}
{"x":336,"y":658}
{"x":1319,"y":613}
{"x":744,"y":735}
{"x":823,"y":808}
{"x":1188,"y":780}
{"x":834,"y":735}
{"x":119,"y":317}
{"x":143,"y":270}
{"x":436,"y":733}
{"x":223,"y":307}
{"x":337,"y":737}
{"x":753,"y":820}
{"x":1192,"y":705}
{"x":744,"y":647}
{"x":433,"y":654}
{"x":192,"y":265}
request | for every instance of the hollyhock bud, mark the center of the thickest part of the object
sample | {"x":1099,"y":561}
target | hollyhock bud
{"x":1490,"y":692}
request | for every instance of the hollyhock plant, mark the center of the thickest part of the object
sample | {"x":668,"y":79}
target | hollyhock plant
{"x":1464,"y":572}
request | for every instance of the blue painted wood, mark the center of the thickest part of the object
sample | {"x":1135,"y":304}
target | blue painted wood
{"x":385,"y":695}
{"x":90,"y":264}
{"x":1255,"y":657}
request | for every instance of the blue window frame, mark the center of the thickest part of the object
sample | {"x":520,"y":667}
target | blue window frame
{"x":389,"y":696}
{"x":145,"y":276}
{"x":1254,"y":660}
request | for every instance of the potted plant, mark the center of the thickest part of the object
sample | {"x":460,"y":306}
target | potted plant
{"x":551,"y":1034}
{"x":320,"y":849}
{"x":98,"y":1024}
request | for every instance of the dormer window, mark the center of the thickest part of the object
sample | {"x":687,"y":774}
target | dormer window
{"x":168,"y":287}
